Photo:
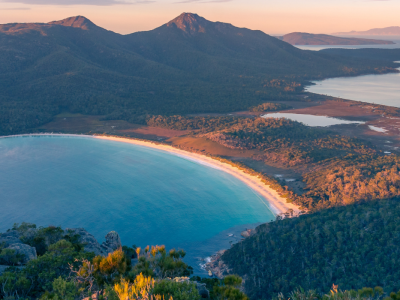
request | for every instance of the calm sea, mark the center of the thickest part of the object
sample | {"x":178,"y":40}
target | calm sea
{"x":377,"y":89}
{"x":148,"y":196}
{"x":394,"y":39}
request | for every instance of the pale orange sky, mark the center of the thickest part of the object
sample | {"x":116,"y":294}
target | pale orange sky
{"x":272,"y":17}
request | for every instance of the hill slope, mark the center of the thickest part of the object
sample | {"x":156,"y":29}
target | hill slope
{"x":352,"y":246}
{"x":302,"y":38}
{"x":189,"y":65}
{"x":393,"y":30}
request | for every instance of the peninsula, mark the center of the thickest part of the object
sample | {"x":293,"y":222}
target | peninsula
{"x":392,"y":30}
{"x":303,"y":38}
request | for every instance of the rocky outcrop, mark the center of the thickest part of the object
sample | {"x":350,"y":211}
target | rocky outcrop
{"x":112,"y":242}
{"x":90,"y":243}
{"x":217,"y":266}
{"x":10,"y":237}
{"x":28,"y":253}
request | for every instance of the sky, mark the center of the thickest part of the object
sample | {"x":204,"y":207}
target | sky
{"x":271,"y":16}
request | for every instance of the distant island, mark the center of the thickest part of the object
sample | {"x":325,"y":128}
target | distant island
{"x":393,"y":30}
{"x":303,"y":38}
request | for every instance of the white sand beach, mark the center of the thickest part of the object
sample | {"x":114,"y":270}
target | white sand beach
{"x":276,"y":203}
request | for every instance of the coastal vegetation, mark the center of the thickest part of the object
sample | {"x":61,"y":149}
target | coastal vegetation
{"x":336,"y":169}
{"x":269,"y":107}
{"x":352,"y":246}
{"x":159,"y":78}
{"x":64,"y":270}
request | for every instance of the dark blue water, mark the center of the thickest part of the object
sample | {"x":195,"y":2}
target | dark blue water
{"x":148,"y":196}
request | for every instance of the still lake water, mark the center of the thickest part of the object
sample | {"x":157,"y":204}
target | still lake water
{"x":377,"y":89}
{"x":148,"y":196}
{"x":311,"y":120}
{"x":394,"y":39}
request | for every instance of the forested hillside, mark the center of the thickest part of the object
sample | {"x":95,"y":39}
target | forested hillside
{"x":353,"y":247}
{"x":189,"y":65}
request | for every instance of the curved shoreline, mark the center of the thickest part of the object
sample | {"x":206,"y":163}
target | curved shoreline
{"x":275,"y":202}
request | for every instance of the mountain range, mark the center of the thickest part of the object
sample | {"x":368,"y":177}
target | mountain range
{"x":189,"y":65}
{"x":393,"y":30}
{"x":302,"y":38}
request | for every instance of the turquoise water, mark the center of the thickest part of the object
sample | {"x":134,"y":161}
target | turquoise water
{"x":148,"y":196}
{"x":378,"y":89}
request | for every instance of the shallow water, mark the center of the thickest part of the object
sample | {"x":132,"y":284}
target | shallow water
{"x":148,"y":196}
{"x":311,"y":120}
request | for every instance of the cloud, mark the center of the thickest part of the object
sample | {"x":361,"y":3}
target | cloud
{"x":80,"y":2}
{"x":203,"y":1}
{"x":16,"y":8}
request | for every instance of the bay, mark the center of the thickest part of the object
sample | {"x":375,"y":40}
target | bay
{"x":148,"y":196}
{"x":376,"y":89}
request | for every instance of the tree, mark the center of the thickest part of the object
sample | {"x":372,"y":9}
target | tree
{"x":229,"y":289}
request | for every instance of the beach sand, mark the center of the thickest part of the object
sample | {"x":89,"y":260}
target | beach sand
{"x":275,"y":202}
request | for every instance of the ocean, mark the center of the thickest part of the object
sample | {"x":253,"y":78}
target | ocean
{"x":377,"y":89}
{"x":149,"y":197}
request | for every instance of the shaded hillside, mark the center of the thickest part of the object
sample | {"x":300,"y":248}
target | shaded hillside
{"x":393,"y":30}
{"x":302,"y":38}
{"x":353,"y":246}
{"x":189,"y":65}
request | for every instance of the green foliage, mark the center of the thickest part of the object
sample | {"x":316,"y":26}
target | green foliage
{"x":210,"y":282}
{"x":335,"y":294}
{"x":23,"y":227}
{"x":269,"y":107}
{"x":159,"y":263}
{"x":52,"y":265}
{"x":110,"y":269}
{"x":10,"y":257}
{"x":203,"y":124}
{"x":14,"y":283}
{"x":62,"y":290}
{"x":130,"y":252}
{"x":178,"y":290}
{"x":353,"y":246}
{"x":229,"y":289}
{"x":42,"y":238}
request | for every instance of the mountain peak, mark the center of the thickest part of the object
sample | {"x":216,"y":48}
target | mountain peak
{"x":189,"y":23}
{"x":77,"y":22}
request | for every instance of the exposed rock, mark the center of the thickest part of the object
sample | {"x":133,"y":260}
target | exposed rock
{"x":10,"y":237}
{"x":28,"y":234}
{"x":246,"y":233}
{"x":28,"y":251}
{"x":217,"y":266}
{"x":90,"y":243}
{"x":112,"y":242}
{"x":201,"y":287}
